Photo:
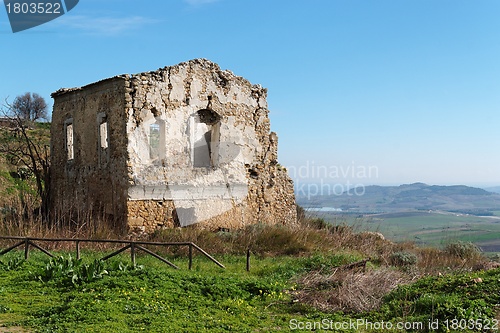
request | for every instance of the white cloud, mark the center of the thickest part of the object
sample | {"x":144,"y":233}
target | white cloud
{"x":105,"y":25}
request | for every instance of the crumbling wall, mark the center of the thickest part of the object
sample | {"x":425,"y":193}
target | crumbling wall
{"x":245,"y":186}
{"x":93,"y":182}
{"x":187,"y":144}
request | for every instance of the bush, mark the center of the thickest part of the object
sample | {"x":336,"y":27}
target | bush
{"x":463,"y":250}
{"x":403,"y":259}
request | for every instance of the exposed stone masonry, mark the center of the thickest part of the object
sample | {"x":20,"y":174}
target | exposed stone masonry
{"x":186,"y":144}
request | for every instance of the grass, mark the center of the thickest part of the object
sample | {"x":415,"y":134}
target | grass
{"x":274,"y":296}
{"x":313,"y":272}
{"x":454,"y":301}
{"x":156,"y":298}
{"x":301,"y":274}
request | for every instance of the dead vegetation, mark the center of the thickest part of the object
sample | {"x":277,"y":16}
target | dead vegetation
{"x":303,"y":239}
{"x":348,"y":290}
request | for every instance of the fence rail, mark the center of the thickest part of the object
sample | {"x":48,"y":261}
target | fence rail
{"x":28,"y":242}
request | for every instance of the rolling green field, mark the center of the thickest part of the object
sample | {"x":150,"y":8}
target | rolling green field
{"x":429,"y":228}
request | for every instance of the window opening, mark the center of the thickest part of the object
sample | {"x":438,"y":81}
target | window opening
{"x":103,"y":135}
{"x":70,"y":153}
{"x":205,"y":138}
{"x":103,"y":138}
{"x":156,"y":141}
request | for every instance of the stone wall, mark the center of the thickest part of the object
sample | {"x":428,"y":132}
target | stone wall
{"x":247,"y":185}
{"x":187,"y":144}
{"x":151,"y":214}
{"x":94,"y":182}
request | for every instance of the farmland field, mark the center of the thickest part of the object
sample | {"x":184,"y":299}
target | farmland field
{"x":429,"y":228}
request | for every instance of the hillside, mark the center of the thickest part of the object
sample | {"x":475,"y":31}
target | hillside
{"x":407,"y":197}
{"x":495,"y":189}
{"x":18,"y":192}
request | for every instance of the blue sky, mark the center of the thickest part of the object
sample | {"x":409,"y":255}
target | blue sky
{"x":410,"y":89}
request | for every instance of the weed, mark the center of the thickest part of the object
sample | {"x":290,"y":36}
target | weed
{"x":4,"y":309}
{"x":296,"y":272}
{"x":93,"y":271}
{"x":62,"y":270}
{"x":123,"y":267}
{"x":12,"y":264}
{"x":463,"y":296}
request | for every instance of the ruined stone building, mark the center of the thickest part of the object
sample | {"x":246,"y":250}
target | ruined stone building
{"x":187,"y":144}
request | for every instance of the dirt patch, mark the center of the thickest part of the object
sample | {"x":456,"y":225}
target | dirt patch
{"x":13,"y":329}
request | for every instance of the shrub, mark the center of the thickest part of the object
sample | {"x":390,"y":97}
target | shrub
{"x":463,"y":250}
{"x":341,"y":229}
{"x":403,"y":259}
{"x":301,"y":214}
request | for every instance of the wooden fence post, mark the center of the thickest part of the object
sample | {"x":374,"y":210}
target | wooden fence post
{"x":132,"y":253}
{"x":248,"y":260}
{"x":190,"y":255}
{"x":77,"y":250}
{"x":26,"y":248}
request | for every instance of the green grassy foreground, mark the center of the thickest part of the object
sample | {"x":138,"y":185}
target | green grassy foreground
{"x":45,"y":297}
{"x":154,"y":297}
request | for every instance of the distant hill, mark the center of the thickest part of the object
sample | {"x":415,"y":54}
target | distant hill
{"x":417,"y":196}
{"x":493,"y":189}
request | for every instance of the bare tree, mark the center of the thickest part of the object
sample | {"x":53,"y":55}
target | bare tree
{"x":29,"y":106}
{"x":25,"y":149}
